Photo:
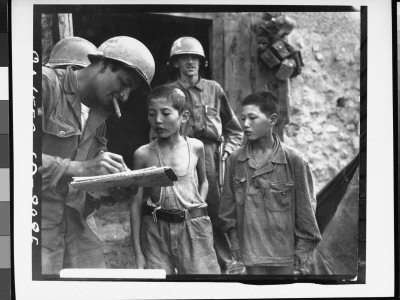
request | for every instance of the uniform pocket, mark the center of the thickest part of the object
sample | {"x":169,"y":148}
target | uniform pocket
{"x":59,"y":127}
{"x":198,"y":118}
{"x":279,"y":196}
{"x":240,"y":190}
{"x":210,"y":111}
{"x":212,"y":123}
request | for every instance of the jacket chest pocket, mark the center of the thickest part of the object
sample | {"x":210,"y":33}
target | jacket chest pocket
{"x":206,"y":121}
{"x":60,"y":127}
{"x":239,"y":185}
{"x":279,"y":196}
{"x":198,"y":118}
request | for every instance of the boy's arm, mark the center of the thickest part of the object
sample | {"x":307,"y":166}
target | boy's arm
{"x":306,"y":229}
{"x":228,"y":210}
{"x":136,"y":213}
{"x":201,"y":170}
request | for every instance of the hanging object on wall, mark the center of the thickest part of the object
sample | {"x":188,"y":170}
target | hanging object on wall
{"x":274,"y":51}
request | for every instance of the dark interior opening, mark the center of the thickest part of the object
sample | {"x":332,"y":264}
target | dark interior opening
{"x":157,"y":32}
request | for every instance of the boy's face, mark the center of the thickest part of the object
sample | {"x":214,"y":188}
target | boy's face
{"x":118,"y":84}
{"x":255,"y":123}
{"x":188,"y":64}
{"x":164,"y":118}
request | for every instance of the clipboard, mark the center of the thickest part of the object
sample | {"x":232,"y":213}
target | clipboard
{"x":98,"y":186}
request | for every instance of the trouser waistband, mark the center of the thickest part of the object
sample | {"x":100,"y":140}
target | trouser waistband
{"x":174,"y":215}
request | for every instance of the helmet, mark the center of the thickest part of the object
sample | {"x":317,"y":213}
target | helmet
{"x":187,"y":45}
{"x":131,"y":52}
{"x":71,"y":51}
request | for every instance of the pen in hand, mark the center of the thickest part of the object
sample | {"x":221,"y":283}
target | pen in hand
{"x":116,"y":106}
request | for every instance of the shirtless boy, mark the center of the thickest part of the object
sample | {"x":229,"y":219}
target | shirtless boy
{"x":170,"y":226}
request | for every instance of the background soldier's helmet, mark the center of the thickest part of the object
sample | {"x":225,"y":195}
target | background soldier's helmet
{"x":187,"y":45}
{"x":130,"y":52}
{"x":71,"y":51}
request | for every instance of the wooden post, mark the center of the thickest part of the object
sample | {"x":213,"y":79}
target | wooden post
{"x":47,"y":36}
{"x":65,"y":25}
{"x":54,"y":28}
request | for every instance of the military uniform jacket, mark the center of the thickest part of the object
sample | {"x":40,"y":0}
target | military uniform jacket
{"x":269,"y":212}
{"x":63,"y":141}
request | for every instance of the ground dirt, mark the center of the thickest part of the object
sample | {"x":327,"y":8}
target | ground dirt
{"x":324,"y":119}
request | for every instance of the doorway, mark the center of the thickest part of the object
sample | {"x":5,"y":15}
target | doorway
{"x":158,"y":32}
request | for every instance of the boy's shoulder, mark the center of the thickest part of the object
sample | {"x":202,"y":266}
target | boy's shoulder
{"x":195,"y":143}
{"x":292,"y":153}
{"x":145,"y":150}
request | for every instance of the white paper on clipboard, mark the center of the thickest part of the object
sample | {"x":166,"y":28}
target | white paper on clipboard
{"x":98,"y":185}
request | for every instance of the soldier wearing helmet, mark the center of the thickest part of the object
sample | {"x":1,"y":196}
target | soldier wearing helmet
{"x":75,"y":105}
{"x":71,"y":51}
{"x":212,"y":120}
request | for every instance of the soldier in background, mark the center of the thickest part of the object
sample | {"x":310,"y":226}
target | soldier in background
{"x":211,"y":119}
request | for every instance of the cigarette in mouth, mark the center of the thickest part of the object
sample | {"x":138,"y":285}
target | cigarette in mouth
{"x":116,"y":106}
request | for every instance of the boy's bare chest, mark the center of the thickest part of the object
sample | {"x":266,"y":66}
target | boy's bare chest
{"x":177,"y":159}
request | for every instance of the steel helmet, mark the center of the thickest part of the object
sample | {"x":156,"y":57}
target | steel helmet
{"x":132,"y":53}
{"x":71,"y":51}
{"x":187,"y":45}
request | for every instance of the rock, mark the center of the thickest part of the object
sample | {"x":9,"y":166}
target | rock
{"x":331,"y":129}
{"x":319,"y":56}
{"x":317,"y":129}
{"x":344,"y":154}
{"x":308,"y":138}
{"x":351,"y":127}
{"x":341,"y":102}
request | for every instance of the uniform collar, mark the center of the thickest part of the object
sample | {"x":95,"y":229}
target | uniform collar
{"x":199,"y":85}
{"x":278,"y":156}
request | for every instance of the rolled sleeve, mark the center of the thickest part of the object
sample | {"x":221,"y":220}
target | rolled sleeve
{"x":53,"y":169}
{"x":306,"y":228}
{"x":231,"y":129}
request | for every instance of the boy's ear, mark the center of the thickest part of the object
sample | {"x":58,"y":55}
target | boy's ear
{"x":274,"y":118}
{"x":185,"y":116}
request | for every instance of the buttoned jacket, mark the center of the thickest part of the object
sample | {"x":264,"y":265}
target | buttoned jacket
{"x":269,"y":212}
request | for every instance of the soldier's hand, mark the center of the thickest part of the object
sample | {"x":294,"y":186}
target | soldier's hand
{"x":105,"y":163}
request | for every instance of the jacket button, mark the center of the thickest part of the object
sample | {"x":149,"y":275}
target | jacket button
{"x":62,"y":133}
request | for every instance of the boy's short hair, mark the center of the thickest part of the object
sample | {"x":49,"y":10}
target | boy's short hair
{"x":176,"y":95}
{"x":265,"y":101}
